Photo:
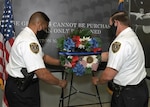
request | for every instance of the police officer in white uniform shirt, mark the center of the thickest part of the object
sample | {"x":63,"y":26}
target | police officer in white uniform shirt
{"x":125,"y":66}
{"x":26,"y":65}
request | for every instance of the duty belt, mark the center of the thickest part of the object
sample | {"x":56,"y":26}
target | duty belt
{"x":21,"y":79}
{"x":116,"y":87}
{"x":22,"y":83}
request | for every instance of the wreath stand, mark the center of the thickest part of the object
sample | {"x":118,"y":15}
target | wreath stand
{"x":71,"y":88}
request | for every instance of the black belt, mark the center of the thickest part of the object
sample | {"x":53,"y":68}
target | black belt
{"x":116,"y":87}
{"x":138,"y":85}
{"x":21,"y":79}
{"x":23,"y":83}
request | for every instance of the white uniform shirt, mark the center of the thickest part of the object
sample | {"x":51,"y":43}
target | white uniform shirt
{"x":127,"y":57}
{"x":25,"y":52}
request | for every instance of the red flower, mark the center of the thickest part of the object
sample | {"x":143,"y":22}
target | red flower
{"x":76,"y":39}
{"x":96,"y":49}
{"x":74,"y":60}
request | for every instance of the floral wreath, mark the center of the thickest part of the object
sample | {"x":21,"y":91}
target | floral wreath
{"x":80,"y":50}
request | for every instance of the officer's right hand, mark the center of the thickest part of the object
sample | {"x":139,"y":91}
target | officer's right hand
{"x":62,"y":83}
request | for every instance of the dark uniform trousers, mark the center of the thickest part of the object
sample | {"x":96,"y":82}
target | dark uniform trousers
{"x":130,"y":95}
{"x":27,"y":98}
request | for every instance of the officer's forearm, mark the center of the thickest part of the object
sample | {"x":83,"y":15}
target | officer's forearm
{"x":107,"y":75}
{"x":47,"y":76}
{"x":50,"y":60}
{"x":104,"y":56}
{"x":102,"y":80}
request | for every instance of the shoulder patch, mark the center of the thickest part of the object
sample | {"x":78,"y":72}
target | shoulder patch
{"x":116,"y":46}
{"x":34,"y":47}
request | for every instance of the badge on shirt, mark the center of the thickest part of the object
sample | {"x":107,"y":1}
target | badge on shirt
{"x":34,"y":47}
{"x":116,"y":46}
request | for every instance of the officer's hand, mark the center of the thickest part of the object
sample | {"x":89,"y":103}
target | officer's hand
{"x":62,"y":83}
{"x":95,"y":80}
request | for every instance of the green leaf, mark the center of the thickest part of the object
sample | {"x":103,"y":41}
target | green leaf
{"x":60,"y":43}
{"x":99,"y":41}
{"x":62,"y":60}
{"x":88,"y":71}
{"x":69,"y":70}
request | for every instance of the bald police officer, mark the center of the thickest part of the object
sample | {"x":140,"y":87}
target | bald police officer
{"x":26,"y":65}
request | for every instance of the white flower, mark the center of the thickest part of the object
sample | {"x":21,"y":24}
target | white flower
{"x":81,"y":46}
{"x":83,"y":40}
{"x":69,"y":57}
{"x":90,"y":60}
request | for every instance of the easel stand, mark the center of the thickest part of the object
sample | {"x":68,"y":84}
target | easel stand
{"x":71,"y":88}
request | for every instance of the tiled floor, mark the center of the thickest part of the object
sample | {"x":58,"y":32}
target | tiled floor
{"x":104,"y":105}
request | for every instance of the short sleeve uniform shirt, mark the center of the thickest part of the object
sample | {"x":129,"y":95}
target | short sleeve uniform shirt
{"x":25,"y":52}
{"x":127,"y":57}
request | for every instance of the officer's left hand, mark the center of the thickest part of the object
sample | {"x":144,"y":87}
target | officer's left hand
{"x":95,"y":80}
